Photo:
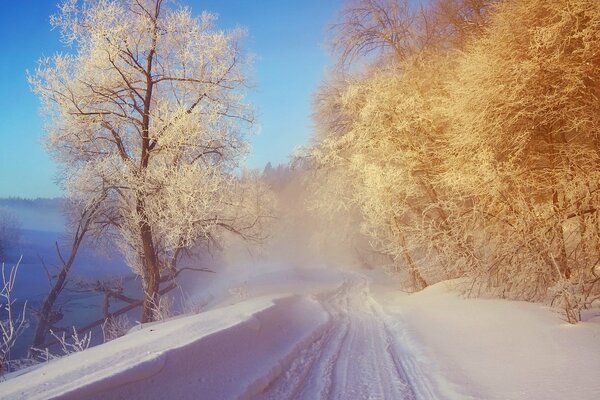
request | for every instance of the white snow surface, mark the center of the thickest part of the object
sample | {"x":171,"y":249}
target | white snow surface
{"x":474,"y":348}
{"x":216,"y":354}
{"x":326,"y":333}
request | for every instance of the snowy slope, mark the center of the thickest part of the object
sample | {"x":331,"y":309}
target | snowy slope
{"x":217,"y":354}
{"x":495,"y":349}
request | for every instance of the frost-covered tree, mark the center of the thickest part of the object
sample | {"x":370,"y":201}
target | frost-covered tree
{"x":387,"y":154}
{"x":82,"y":218}
{"x":380,"y":132}
{"x":148,"y":107}
{"x":481,"y":162}
{"x":525,"y":131}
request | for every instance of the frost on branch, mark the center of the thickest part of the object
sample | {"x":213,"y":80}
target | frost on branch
{"x":149,"y":109}
{"x":73,"y":344}
{"x":13,"y":321}
{"x":476,"y":156}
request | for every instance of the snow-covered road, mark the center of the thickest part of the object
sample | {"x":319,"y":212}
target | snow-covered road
{"x":316,"y":333}
{"x":328,"y":343}
{"x":354,"y":357}
{"x":333,"y":344}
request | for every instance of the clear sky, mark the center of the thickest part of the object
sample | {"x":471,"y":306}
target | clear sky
{"x":286,"y":36}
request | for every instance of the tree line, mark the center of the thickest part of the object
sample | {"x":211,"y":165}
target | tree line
{"x":465,"y":133}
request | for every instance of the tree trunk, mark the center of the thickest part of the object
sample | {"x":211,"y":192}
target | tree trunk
{"x":563,"y":262}
{"x":44,"y":320}
{"x":151,"y":272}
{"x":417,"y":281}
{"x":150,"y":268}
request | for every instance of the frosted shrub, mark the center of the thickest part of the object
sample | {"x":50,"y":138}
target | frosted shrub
{"x":13,"y":322}
{"x":163,"y":308}
{"x":73,"y":343}
{"x":566,"y":297}
{"x":115,"y":327}
{"x":193,"y":306}
{"x":239,"y":292}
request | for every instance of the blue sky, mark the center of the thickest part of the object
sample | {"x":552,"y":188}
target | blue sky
{"x":286,"y":36}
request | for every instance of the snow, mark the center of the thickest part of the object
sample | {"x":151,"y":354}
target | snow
{"x":353,"y":358}
{"x":218,"y":354}
{"x":327,"y":333}
{"x":475,"y":348}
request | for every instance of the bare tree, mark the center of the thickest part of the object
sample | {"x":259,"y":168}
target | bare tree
{"x":375,"y":27}
{"x":454,"y":22}
{"x":149,"y":109}
{"x":13,"y":321}
{"x":394,"y":31}
{"x":83,"y":217}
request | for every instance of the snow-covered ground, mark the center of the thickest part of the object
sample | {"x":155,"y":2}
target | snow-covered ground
{"x":324,"y":333}
{"x":494,"y":349}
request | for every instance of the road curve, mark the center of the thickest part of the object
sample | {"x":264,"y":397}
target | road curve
{"x":354,"y":357}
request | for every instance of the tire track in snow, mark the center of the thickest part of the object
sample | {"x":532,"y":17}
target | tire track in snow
{"x":354,"y":358}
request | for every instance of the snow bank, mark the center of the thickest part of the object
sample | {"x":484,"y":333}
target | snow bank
{"x":222,"y":353}
{"x":494,"y":349}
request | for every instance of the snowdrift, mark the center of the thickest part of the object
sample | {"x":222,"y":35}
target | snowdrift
{"x":492,"y":349}
{"x":223,"y":353}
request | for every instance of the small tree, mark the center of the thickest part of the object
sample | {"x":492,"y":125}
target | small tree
{"x":83,"y":220}
{"x":149,"y":110}
{"x":12,"y":321}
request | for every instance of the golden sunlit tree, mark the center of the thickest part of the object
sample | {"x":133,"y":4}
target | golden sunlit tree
{"x":525,"y":131}
{"x":474,"y":150}
{"x":380,"y":131}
